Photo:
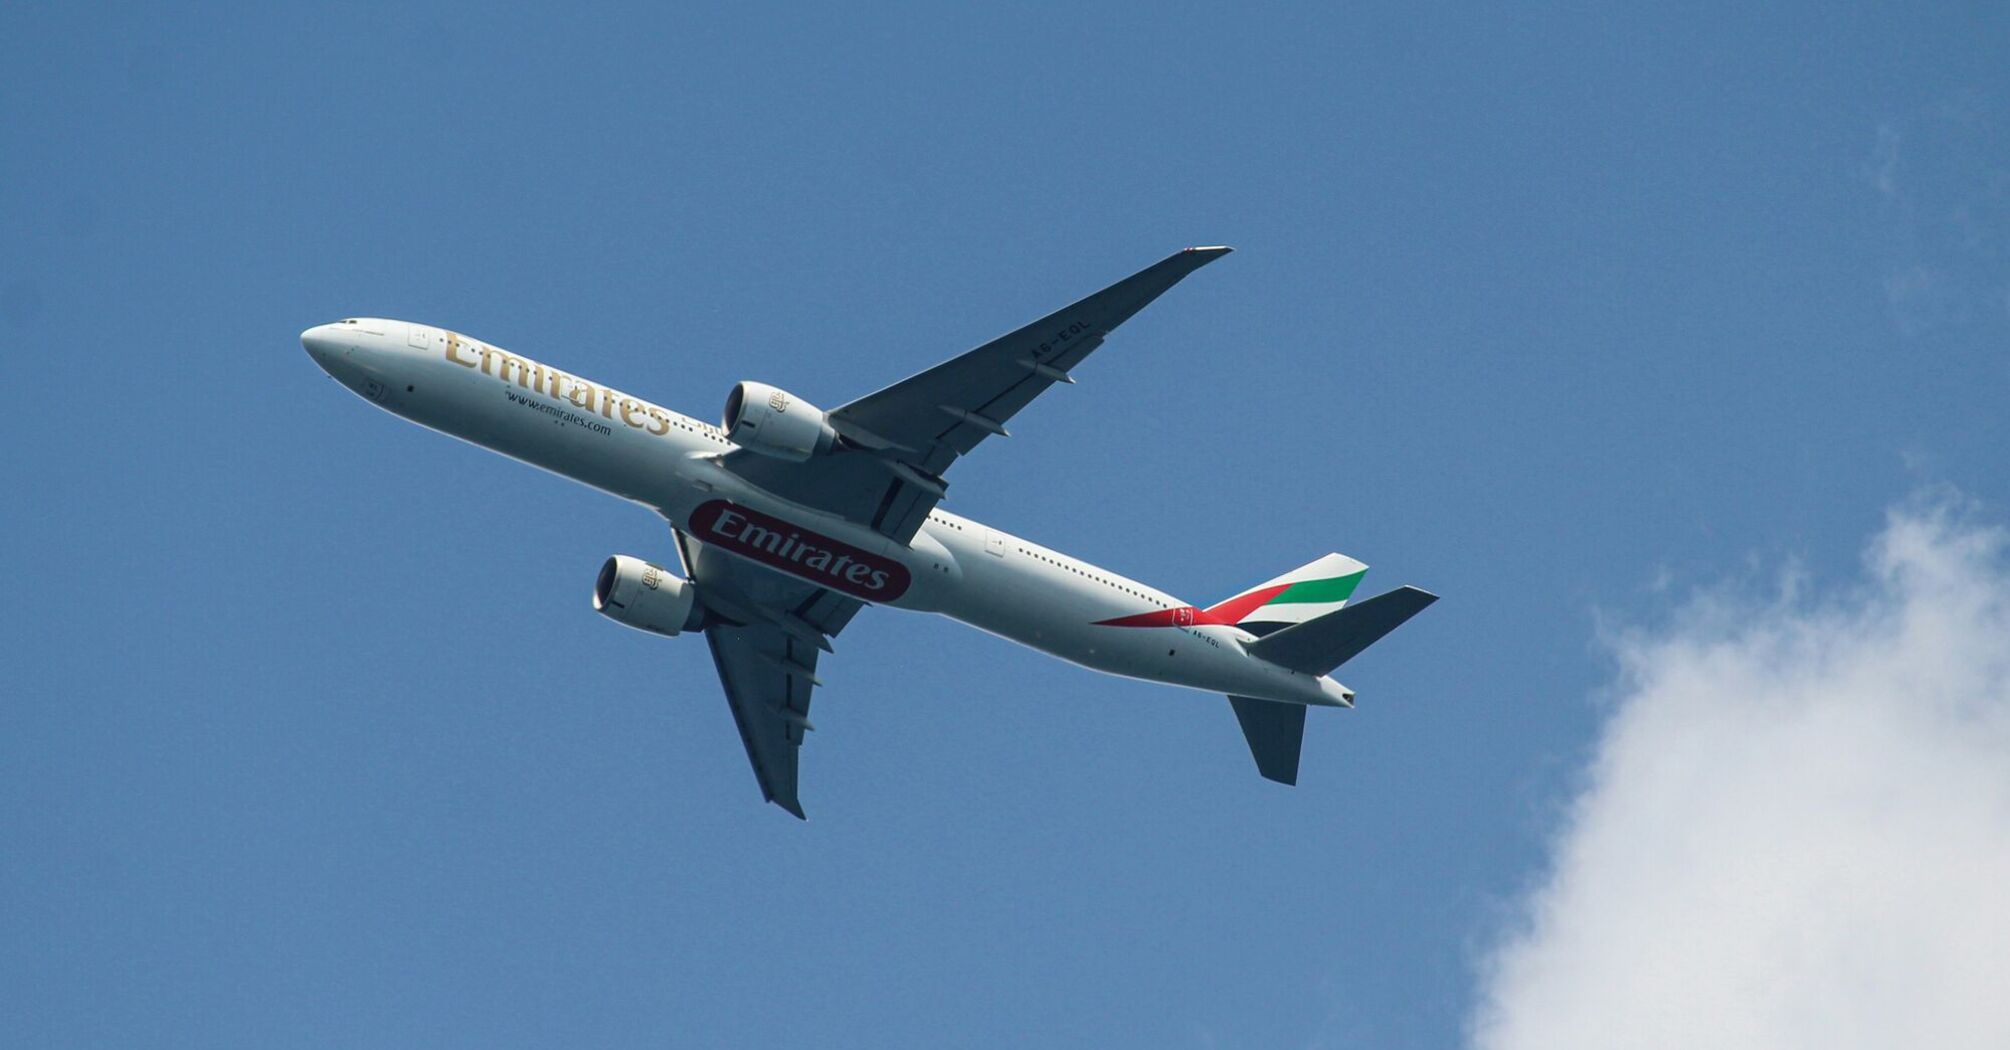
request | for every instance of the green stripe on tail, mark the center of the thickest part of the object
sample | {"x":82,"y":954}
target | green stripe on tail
{"x":1335,"y":589}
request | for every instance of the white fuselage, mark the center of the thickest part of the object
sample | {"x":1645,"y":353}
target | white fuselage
{"x":671,"y":463}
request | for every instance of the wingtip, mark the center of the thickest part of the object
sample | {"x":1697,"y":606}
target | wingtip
{"x":791,"y":807}
{"x":1207,"y":249}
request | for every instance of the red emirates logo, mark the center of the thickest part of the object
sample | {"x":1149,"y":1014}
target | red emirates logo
{"x":799,"y":552}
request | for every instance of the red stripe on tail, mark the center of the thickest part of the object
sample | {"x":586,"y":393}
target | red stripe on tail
{"x":1227,"y":614}
{"x":1234,"y":609}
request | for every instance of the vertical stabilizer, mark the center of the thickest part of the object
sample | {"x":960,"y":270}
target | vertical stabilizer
{"x":1305,"y":593}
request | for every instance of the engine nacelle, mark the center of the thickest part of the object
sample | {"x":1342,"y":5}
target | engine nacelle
{"x":775,"y":423}
{"x":647,"y":597}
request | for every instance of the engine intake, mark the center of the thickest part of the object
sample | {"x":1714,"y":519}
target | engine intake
{"x":773,"y":422}
{"x":647,"y":597}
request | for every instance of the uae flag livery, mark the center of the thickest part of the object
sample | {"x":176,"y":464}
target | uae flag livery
{"x":1305,"y":593}
{"x":800,"y":552}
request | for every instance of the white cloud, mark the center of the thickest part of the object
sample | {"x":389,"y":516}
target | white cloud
{"x":1945,"y":193}
{"x":1882,"y":169}
{"x":1795,"y":831}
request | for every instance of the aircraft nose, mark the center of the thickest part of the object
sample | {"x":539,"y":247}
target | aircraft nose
{"x":320,"y":344}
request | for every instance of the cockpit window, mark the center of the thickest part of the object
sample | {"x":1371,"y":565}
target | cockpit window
{"x":348,"y":320}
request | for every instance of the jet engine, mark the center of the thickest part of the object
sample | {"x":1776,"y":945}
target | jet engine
{"x":775,"y":423}
{"x":646,"y":597}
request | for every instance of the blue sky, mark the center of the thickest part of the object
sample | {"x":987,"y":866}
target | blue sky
{"x":311,"y":737}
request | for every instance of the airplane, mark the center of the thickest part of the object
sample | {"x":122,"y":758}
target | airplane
{"x":788,"y":519}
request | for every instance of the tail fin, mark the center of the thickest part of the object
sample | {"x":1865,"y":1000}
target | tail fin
{"x":1303,"y":594}
{"x":1318,"y":646}
{"x":1302,"y":621}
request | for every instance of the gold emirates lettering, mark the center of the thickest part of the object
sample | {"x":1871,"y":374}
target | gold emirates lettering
{"x":530,"y":375}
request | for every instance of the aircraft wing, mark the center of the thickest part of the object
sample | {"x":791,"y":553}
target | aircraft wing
{"x":899,"y":440}
{"x":765,"y":634}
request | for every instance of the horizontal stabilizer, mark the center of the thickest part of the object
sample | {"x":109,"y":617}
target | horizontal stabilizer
{"x":1275,"y":731}
{"x":1318,"y":646}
